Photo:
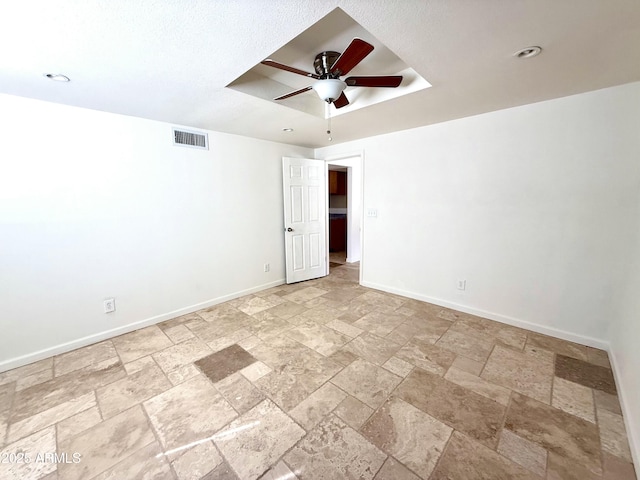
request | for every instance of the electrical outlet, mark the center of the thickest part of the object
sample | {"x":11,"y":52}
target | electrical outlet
{"x":110,"y":305}
{"x":461,"y":284}
{"x":267,"y":267}
{"x":372,"y":212}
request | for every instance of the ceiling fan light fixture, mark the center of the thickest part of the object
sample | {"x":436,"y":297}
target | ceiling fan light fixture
{"x":329,"y":89}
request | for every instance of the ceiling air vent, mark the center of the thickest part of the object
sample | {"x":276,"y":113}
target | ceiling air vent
{"x":185,"y":138}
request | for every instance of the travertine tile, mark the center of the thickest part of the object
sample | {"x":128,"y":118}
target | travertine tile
{"x":562,"y":468}
{"x":613,"y":435}
{"x":221,"y":472}
{"x":182,"y":320}
{"x":188,"y":412}
{"x":318,"y":337}
{"x":573,"y":398}
{"x":221,"y":343}
{"x":607,"y":401}
{"x":367,"y":382}
{"x":239,"y":392}
{"x":21,"y":372}
{"x":520,"y":372}
{"x":475,"y":347}
{"x":410,"y":435}
{"x":287,"y":310}
{"x":34,"y":379}
{"x":141,"y":343}
{"x":7,"y":392}
{"x":182,"y":374}
{"x":77,"y":423}
{"x":322,"y":453}
{"x":557,"y":345}
{"x":393,"y":470}
{"x":467,"y":365}
{"x":493,"y":331}
{"x":178,"y":334}
{"x":83,"y":357}
{"x":479,"y":385}
{"x":304,"y":295}
{"x":249,"y":342}
{"x":598,"y":357}
{"x":197,"y":462}
{"x":267,"y":326}
{"x":225,"y":321}
{"x":257,"y":439}
{"x":131,"y":390}
{"x":49,"y":417}
{"x":426,"y":356}
{"x":139,"y":364}
{"x":456,"y":406}
{"x":41,"y":442}
{"x":379,"y":323}
{"x":343,"y":357}
{"x":426,"y":328}
{"x":344,"y":328}
{"x":557,"y":431}
{"x":585,"y":373}
{"x":318,"y":405}
{"x":372,"y":348}
{"x":225,"y":362}
{"x":467,"y":459}
{"x":524,"y":452}
{"x":181,"y":354}
{"x":44,"y":396}
{"x":616,"y":468}
{"x":398,"y":366}
{"x":146,"y":463}
{"x":253,"y":304}
{"x":106,"y":444}
{"x":280,"y":471}
{"x":255,"y":371}
{"x":353,"y":412}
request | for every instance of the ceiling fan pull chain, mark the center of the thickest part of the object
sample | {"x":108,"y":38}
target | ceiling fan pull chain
{"x":328,"y":110}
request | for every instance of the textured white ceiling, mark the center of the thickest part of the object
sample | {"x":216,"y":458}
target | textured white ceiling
{"x":172,"y":60}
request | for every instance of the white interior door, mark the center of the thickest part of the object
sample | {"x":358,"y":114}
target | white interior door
{"x":305,"y":218}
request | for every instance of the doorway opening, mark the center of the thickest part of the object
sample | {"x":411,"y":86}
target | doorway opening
{"x":344,"y":211}
{"x":338,"y":212}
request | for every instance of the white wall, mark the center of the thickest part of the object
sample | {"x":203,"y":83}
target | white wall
{"x":94,"y":205}
{"x":531,"y":205}
{"x":537,"y":207}
{"x":624,"y":334}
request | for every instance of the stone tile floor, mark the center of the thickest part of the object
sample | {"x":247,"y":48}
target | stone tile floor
{"x":319,"y":380}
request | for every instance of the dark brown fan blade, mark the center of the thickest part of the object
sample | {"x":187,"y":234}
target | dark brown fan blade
{"x":353,"y":55}
{"x":341,"y":101}
{"x":389,"y":81}
{"x":281,"y":66}
{"x":291,"y":94}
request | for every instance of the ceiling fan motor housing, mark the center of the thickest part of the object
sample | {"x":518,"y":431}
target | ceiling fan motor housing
{"x":323,"y":63}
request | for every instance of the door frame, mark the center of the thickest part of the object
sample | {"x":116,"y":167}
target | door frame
{"x":354,"y":161}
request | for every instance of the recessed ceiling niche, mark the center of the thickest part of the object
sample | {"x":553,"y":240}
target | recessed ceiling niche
{"x":333,"y":32}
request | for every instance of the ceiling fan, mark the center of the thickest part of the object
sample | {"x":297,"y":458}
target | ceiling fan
{"x":330,"y":66}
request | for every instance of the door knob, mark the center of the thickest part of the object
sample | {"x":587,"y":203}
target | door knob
{"x":289,"y":229}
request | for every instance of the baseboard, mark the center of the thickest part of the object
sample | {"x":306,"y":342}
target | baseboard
{"x":98,"y":337}
{"x":627,"y":414}
{"x":515,"y":322}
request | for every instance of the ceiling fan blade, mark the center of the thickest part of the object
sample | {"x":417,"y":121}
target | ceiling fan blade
{"x":341,"y":101}
{"x":291,"y":94}
{"x":386,"y":81}
{"x":281,"y":66}
{"x":353,"y":55}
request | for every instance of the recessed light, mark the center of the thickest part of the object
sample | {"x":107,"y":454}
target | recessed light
{"x":528,"y":52}
{"x":287,"y":130}
{"x":57,"y":77}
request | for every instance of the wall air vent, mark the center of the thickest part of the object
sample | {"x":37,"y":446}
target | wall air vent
{"x":185,"y":138}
